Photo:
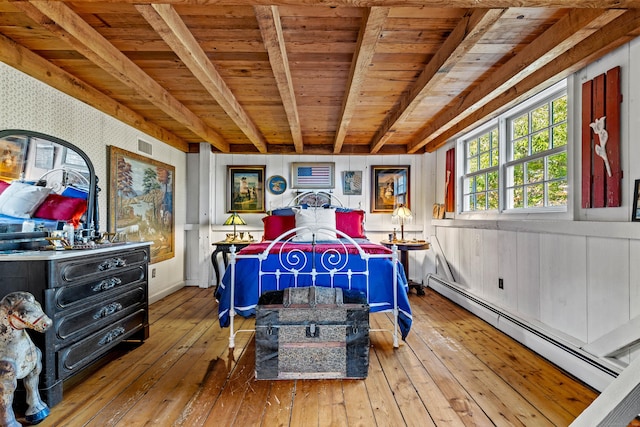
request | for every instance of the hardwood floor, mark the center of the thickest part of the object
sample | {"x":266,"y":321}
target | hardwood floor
{"x":453,"y":370}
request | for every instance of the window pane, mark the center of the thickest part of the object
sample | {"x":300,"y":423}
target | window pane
{"x":466,"y":200}
{"x":520,"y":126}
{"x":468,"y":185}
{"x":520,"y":148}
{"x":493,"y":199}
{"x":518,"y":174}
{"x":518,"y":197}
{"x":557,"y":166}
{"x":485,"y":144}
{"x":494,"y":156}
{"x":472,"y":148}
{"x":540,"y":142}
{"x":535,"y":171}
{"x":485,"y":160}
{"x":560,"y":135}
{"x":560,"y":109}
{"x":492,"y":180}
{"x":535,"y":196}
{"x":558,"y":193}
{"x":472,"y":165}
{"x":481,"y":201}
{"x":540,"y":118}
{"x":481,"y":183}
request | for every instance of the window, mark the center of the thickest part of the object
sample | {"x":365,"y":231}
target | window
{"x":480,"y":188}
{"x":519,"y":160}
{"x":536,"y":171}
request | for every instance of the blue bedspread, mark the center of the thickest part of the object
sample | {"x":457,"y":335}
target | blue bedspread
{"x":380,"y":292}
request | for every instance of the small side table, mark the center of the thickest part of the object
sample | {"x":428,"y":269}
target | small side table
{"x":224,"y":246}
{"x":404,"y":248}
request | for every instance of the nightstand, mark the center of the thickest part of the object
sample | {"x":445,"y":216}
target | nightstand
{"x":404,"y":248}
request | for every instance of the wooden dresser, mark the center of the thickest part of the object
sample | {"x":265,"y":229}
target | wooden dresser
{"x":97,"y":298}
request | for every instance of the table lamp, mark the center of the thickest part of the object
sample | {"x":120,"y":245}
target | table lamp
{"x":401,"y":214}
{"x":235,"y":220}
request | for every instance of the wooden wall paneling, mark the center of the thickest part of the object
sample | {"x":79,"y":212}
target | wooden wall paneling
{"x":508,"y":268}
{"x":613,"y":100}
{"x":528,"y":274}
{"x":599,"y":172}
{"x":563,"y":288}
{"x":490,"y":270}
{"x":587,"y":89}
{"x":607,"y":285}
{"x":470,"y":262}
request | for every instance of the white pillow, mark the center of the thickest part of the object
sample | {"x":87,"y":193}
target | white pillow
{"x":314,"y":218}
{"x":21,"y":200}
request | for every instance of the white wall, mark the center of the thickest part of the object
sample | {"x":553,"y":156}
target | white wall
{"x":377,"y":226}
{"x":576,"y":275}
{"x":31,"y":105}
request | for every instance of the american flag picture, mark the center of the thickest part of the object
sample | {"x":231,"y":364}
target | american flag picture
{"x":313,"y":175}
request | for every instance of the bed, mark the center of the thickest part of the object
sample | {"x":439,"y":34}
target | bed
{"x":60,"y":195}
{"x":315,"y":246}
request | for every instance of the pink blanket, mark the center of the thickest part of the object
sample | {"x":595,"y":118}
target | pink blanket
{"x":370,"y":248}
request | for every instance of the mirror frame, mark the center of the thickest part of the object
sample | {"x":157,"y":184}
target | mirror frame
{"x":92,"y":201}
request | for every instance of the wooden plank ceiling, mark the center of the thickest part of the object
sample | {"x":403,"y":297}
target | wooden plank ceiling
{"x":356,"y":77}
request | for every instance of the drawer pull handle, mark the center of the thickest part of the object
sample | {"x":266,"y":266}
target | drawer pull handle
{"x":108,"y":310}
{"x":107,"y":284}
{"x":112,"y":335}
{"x":112,"y":263}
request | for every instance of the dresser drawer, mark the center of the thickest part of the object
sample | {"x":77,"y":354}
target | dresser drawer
{"x":71,"y":325}
{"x":98,"y":266}
{"x":70,"y":295}
{"x":73,"y":358}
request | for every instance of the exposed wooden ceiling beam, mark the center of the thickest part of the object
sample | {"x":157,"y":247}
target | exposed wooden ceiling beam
{"x":372,"y":26}
{"x":67,"y":25}
{"x":565,"y":33}
{"x":620,"y":31}
{"x":168,"y":24}
{"x":466,"y":34}
{"x":273,"y":39}
{"x":464,"y":4}
{"x":39,"y":68}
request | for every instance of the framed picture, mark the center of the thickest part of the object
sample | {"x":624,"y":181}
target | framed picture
{"x":389,"y":188}
{"x":245,"y":192}
{"x":141,"y":201}
{"x":635,"y":213}
{"x":12,"y":154}
{"x":44,"y":156}
{"x":276,"y":184}
{"x":313,"y":175}
{"x":352,"y":183}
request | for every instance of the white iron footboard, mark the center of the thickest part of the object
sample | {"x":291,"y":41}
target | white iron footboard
{"x":292,"y":261}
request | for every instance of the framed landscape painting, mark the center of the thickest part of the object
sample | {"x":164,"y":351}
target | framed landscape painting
{"x":141,"y":201}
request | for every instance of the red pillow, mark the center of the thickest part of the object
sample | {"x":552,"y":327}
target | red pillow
{"x":275,"y":225}
{"x":3,"y":186}
{"x":61,"y":208}
{"x":351,"y":223}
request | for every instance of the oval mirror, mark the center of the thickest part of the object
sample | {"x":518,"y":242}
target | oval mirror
{"x":45,"y":182}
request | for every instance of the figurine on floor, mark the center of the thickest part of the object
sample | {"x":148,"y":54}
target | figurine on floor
{"x":19,"y":357}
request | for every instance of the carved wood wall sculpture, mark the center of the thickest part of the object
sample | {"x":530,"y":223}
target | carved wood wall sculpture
{"x":601,"y":173}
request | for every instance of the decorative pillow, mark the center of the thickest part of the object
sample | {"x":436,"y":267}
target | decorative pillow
{"x":313,"y":218}
{"x":3,"y":186}
{"x":75,"y":192}
{"x":288,"y":211}
{"x":21,"y":200}
{"x":351,"y":223}
{"x":61,"y":208}
{"x":275,"y":225}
